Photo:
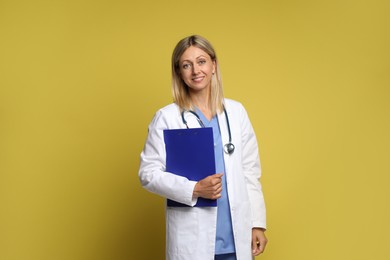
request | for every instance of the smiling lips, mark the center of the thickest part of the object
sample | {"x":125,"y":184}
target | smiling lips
{"x":198,"y":79}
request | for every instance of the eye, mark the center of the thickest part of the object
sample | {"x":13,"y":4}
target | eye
{"x":201,"y":62}
{"x":186,"y":66}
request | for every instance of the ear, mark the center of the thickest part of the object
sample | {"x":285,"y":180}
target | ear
{"x":214,"y":66}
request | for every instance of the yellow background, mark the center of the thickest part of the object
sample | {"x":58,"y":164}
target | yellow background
{"x":81,"y":80}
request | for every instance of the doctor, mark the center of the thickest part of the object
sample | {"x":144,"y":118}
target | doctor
{"x":235,"y":228}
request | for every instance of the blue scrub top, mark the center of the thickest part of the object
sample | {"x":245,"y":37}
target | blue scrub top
{"x":224,"y":238}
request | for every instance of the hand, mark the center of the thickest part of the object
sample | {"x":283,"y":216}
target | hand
{"x":210,"y":187}
{"x":259,"y":241}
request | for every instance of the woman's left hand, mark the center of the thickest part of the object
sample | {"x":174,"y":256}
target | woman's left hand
{"x":259,"y":241}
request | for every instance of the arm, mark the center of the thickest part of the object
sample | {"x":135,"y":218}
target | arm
{"x":252,"y":171}
{"x":152,"y":171}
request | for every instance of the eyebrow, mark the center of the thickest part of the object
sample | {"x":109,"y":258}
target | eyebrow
{"x":200,"y":56}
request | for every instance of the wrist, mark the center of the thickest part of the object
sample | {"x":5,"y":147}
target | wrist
{"x":195,"y":193}
{"x":259,"y":228}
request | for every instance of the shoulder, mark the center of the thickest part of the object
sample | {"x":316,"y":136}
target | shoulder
{"x":234,"y":105}
{"x":237,"y":111}
{"x":168,"y":110}
{"x":165,"y":115}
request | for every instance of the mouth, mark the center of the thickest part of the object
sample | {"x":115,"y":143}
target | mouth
{"x":197,"y":79}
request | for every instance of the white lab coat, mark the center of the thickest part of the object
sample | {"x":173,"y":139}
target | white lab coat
{"x":191,"y":231}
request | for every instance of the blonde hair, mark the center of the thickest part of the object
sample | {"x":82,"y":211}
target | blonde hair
{"x":180,"y":90}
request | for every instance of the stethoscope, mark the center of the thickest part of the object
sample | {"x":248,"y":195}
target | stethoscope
{"x":229,"y":147}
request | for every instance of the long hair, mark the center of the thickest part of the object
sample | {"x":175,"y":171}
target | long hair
{"x":180,"y":90}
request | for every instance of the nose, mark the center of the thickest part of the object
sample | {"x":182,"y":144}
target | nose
{"x":195,"y":69}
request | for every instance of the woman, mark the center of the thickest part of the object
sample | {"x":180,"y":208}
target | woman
{"x":235,"y":228}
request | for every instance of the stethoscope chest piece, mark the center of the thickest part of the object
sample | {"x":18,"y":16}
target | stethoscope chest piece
{"x":228,"y":148}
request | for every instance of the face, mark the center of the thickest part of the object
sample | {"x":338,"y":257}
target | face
{"x":196,"y":69}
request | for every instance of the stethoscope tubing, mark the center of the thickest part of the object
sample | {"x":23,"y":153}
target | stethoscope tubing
{"x":229,"y":147}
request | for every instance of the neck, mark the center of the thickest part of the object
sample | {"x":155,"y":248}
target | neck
{"x":203,"y":104}
{"x":200,"y":99}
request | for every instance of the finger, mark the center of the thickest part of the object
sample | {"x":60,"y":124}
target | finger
{"x":218,"y":192}
{"x":255,"y":249}
{"x":261,"y":249}
{"x":218,"y":175}
{"x":218,"y":185}
{"x":262,"y":245}
{"x":219,"y":195}
{"x":216,"y":181}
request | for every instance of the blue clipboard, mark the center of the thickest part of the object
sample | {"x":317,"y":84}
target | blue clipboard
{"x":190,"y":153}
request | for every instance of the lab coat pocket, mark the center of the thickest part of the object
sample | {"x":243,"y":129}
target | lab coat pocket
{"x":182,"y":230}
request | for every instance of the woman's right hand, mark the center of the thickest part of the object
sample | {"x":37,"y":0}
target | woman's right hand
{"x":210,"y":187}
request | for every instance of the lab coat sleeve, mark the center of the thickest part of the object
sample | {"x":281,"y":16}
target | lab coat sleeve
{"x":152,"y":171}
{"x":252,"y":171}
